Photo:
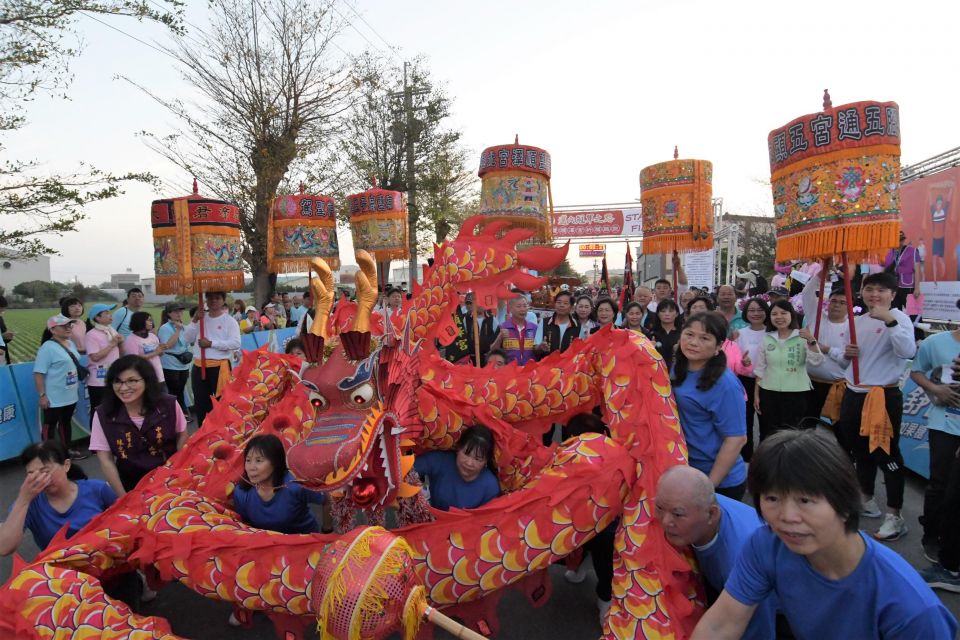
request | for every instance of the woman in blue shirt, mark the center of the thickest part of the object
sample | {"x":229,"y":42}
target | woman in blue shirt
{"x":175,"y":371}
{"x":462,"y":478}
{"x":53,"y":494}
{"x":710,"y":400}
{"x":56,"y":375}
{"x":830,"y":580}
{"x":268,"y":497}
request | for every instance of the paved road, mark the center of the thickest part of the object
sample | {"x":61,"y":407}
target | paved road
{"x":570,"y":614}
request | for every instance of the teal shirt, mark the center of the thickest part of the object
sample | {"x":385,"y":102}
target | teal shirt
{"x":736,"y":324}
{"x":61,"y":382}
{"x":939,"y":351}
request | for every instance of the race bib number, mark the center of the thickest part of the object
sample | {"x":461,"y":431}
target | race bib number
{"x":101,"y":373}
{"x":71,"y":379}
{"x":149,"y":348}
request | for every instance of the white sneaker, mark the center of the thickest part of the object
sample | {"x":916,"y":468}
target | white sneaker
{"x":893,"y":528}
{"x":576,"y":577}
{"x":604,"y":606}
{"x":870,"y":509}
{"x":233,"y":621}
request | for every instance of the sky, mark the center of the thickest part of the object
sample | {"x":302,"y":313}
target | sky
{"x":606,"y":87}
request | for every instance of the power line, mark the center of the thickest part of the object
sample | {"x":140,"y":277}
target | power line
{"x":132,"y":37}
{"x":375,"y":32}
{"x":360,"y":33}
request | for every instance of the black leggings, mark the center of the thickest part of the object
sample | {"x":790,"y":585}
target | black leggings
{"x":780,"y":410}
{"x":96,"y":397}
{"x":204,"y":391}
{"x":749,"y":385}
{"x":943,"y":458}
{"x":59,"y":419}
{"x":600,"y":548}
{"x":848,"y":428}
{"x":176,"y":383}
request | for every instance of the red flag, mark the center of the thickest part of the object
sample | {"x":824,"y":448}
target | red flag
{"x":626,"y":293}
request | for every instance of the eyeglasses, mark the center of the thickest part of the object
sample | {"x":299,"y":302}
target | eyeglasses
{"x":129,"y":382}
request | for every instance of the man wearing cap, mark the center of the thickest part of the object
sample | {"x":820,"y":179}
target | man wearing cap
{"x":121,"y":319}
{"x":214,"y":351}
{"x":175,"y":371}
{"x":102,"y":343}
{"x":56,"y":376}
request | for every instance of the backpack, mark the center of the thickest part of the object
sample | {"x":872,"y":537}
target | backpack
{"x":762,"y":285}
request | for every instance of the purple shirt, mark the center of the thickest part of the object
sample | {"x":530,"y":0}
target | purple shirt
{"x":905,"y":261}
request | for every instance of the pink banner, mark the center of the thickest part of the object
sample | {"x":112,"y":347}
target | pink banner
{"x":593,"y":224}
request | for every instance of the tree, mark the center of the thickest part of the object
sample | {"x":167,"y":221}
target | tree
{"x":36,"y":44}
{"x":272,"y":98}
{"x":41,"y":290}
{"x":375,"y":146}
{"x":563,"y":270}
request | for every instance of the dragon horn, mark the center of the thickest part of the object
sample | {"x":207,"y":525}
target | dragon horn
{"x":322,"y":288}
{"x":543,"y":258}
{"x":514,"y":236}
{"x":366,"y":290}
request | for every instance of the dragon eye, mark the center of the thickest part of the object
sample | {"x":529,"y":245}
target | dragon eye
{"x":318,"y":401}
{"x":362,"y":394}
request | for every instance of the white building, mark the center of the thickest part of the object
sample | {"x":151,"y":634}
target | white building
{"x":14,"y":269}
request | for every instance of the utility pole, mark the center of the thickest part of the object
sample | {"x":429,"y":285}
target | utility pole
{"x":412,"y":129}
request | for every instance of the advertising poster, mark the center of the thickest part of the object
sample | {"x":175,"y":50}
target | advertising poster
{"x":931,"y":222}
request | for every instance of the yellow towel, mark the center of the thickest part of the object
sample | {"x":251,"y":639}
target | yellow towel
{"x":875,"y":422}
{"x":223,"y":377}
{"x":831,"y":406}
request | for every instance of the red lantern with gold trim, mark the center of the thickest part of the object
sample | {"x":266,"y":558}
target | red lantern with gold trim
{"x":196,"y":244}
{"x":677,"y":200}
{"x":515,"y":186}
{"x":378,"y":222}
{"x":302,"y":227}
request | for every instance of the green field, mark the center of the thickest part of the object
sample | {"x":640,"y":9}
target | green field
{"x":30,"y":323}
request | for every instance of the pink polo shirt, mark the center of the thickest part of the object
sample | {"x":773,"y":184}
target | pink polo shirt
{"x":136,"y":345}
{"x":96,"y":341}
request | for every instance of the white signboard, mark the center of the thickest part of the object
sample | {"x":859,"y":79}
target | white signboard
{"x":940,"y":300}
{"x":699,"y":268}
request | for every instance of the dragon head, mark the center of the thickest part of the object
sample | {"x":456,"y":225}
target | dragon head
{"x":354,"y":443}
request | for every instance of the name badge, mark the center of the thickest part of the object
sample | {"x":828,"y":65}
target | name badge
{"x":149,"y":348}
{"x":71,"y":379}
{"x":101,"y":373}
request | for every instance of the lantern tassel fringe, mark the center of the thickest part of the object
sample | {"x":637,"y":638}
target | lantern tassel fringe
{"x":862,"y":243}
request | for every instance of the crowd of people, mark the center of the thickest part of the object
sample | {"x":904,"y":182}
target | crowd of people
{"x":827,"y":411}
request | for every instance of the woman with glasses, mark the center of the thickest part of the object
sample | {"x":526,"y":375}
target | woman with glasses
{"x":137,"y":427}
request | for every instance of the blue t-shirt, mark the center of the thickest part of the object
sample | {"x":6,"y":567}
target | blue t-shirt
{"x":43,"y":521}
{"x":716,"y":559}
{"x":448,"y":489}
{"x":286,"y":512}
{"x":884,"y":597}
{"x":940,"y":351}
{"x":296,"y":313}
{"x":167,"y":358}
{"x":121,"y":320}
{"x":61,"y":383}
{"x":707,"y":417}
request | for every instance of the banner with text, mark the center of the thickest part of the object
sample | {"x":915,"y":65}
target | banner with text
{"x":592,"y":250}
{"x":698,"y":266}
{"x":594,"y":224}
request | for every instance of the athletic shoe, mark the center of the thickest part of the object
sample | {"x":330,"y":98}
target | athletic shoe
{"x":576,"y":577}
{"x":233,"y":620}
{"x":937,"y":577}
{"x":931,"y":550}
{"x":893,"y":528}
{"x":604,"y":606}
{"x":870,"y":509}
{"x":148,"y":595}
{"x":76,"y":454}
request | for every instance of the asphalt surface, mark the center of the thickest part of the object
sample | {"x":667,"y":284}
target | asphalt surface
{"x":570,"y":614}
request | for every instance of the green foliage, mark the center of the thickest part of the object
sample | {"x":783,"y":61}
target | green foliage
{"x":42,"y":291}
{"x":563,"y":270}
{"x":271,"y":97}
{"x":376,"y":141}
{"x":36,"y":44}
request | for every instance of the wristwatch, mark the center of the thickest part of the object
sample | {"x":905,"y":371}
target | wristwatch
{"x":891,"y":324}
